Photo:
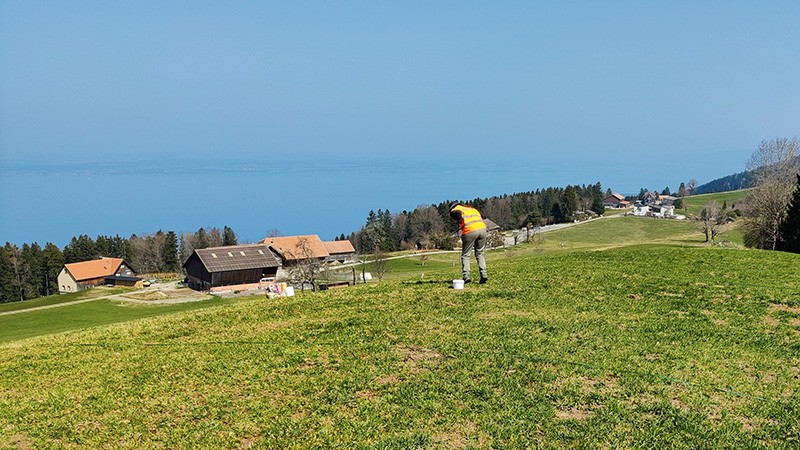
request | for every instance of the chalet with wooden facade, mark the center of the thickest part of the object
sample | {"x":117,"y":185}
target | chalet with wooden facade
{"x":82,"y":275}
{"x":231,"y":265}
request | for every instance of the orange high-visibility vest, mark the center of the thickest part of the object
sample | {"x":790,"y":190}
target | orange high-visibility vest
{"x":471,"y":219}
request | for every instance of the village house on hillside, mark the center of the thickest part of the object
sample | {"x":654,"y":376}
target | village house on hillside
{"x":213,"y":267}
{"x":654,"y":205}
{"x":293,"y":250}
{"x":616,"y":201}
{"x":340,"y":251}
{"x":82,"y":275}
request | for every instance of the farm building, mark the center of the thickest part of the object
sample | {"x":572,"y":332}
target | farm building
{"x":293,"y":250}
{"x":79,"y":276}
{"x":231,"y":265}
{"x":616,"y":201}
{"x":119,"y":280}
{"x":340,"y":251}
{"x":491,"y":226}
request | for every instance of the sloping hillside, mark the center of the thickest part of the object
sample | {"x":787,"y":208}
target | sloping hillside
{"x":641,"y":346}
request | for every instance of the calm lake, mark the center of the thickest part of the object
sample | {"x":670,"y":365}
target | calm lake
{"x":52,"y":203}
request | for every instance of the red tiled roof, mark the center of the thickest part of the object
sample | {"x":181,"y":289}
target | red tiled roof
{"x":339,"y":247}
{"x":290,"y":247}
{"x":98,"y":268}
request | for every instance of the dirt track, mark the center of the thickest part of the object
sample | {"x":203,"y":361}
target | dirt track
{"x":157,"y":294}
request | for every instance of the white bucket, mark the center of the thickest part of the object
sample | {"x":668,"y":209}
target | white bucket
{"x":458,"y":284}
{"x":289,"y":291}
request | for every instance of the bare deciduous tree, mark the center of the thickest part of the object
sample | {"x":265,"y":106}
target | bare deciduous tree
{"x":147,"y":252}
{"x":774,"y":165}
{"x":424,"y":223}
{"x":379,"y":263}
{"x":691,"y":185}
{"x":499,"y":210}
{"x":764,"y":210}
{"x":711,"y":217}
{"x":306,"y":265}
{"x":775,"y":160}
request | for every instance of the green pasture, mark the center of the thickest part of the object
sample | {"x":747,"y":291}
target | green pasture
{"x":584,"y":340}
{"x":86,"y":315}
{"x":604,"y":233}
{"x":62,"y":298}
{"x":693,"y":204}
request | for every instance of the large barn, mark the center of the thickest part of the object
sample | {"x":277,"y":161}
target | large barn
{"x":230,"y":265}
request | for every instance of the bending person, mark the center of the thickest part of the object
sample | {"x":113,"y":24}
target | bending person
{"x":473,"y":235}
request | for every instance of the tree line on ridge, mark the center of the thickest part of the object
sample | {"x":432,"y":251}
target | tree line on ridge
{"x":31,"y":271}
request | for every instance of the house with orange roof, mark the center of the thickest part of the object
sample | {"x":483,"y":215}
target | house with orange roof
{"x":294,"y":250}
{"x":82,"y":275}
{"x":340,"y":251}
{"x":616,"y":201}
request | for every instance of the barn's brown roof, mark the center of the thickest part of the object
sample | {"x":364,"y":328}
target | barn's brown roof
{"x":490,"y":226}
{"x":291,"y":247}
{"x":237,"y":257}
{"x":96,"y":268}
{"x":339,"y":247}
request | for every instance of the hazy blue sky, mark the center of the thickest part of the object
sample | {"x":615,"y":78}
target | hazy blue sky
{"x":92,"y":80}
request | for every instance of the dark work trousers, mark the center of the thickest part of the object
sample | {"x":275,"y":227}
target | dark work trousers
{"x":474,"y":239}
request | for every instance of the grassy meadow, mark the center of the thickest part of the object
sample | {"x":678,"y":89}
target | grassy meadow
{"x":620,"y":333}
{"x":695,"y":203}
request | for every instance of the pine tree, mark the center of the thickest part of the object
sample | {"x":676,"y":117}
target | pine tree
{"x":118,"y":248}
{"x":103,"y":245}
{"x":30,"y":270}
{"x":790,"y":226}
{"x":7,"y":291}
{"x":200,"y":240}
{"x":13,"y":282}
{"x":229,"y":237}
{"x":598,"y":206}
{"x":681,"y":190}
{"x":170,"y":252}
{"x":79,"y":249}
{"x":52,"y":263}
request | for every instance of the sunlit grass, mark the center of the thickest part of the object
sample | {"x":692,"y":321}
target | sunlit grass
{"x":648,"y":346}
{"x":693,"y":204}
{"x":620,"y":333}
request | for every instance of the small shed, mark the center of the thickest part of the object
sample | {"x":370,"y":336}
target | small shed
{"x":118,"y":280}
{"x":230,"y":265}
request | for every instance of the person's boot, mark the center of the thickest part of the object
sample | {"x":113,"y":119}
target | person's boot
{"x":467,"y":280}
{"x":483,"y":280}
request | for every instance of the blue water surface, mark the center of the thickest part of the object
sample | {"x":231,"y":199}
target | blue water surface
{"x":52,"y":202}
